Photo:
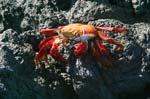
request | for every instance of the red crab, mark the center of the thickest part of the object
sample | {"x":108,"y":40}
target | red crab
{"x":81,"y":33}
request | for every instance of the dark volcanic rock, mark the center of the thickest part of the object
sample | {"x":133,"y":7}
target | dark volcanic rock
{"x":99,"y":9}
{"x":139,"y":7}
{"x":20,"y":21}
{"x":130,"y":71}
{"x":15,"y":65}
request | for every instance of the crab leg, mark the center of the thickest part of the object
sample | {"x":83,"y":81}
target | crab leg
{"x":50,"y":32}
{"x":112,"y":29}
{"x":81,"y":49}
{"x":44,"y":44}
{"x":96,"y":53}
{"x":103,"y":50}
{"x":56,"y":55}
{"x":110,"y":40}
{"x":41,"y":54}
{"x":47,"y":41}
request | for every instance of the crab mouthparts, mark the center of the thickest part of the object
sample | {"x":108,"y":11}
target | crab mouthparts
{"x":83,"y":38}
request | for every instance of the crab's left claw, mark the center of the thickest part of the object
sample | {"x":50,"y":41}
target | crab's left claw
{"x":56,"y":55}
{"x":81,"y":47}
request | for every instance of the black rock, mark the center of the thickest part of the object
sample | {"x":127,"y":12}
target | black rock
{"x":20,"y":22}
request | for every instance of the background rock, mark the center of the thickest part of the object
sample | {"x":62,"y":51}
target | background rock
{"x":82,"y":78}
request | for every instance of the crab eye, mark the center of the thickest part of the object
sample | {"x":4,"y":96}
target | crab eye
{"x":56,"y":33}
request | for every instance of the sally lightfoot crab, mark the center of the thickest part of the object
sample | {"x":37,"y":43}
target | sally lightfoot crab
{"x":83,"y":35}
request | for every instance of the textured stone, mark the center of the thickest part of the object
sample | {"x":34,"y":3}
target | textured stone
{"x":129,"y":74}
{"x":20,"y":21}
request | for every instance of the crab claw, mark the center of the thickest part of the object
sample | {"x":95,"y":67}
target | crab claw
{"x":56,"y":55}
{"x":80,"y":49}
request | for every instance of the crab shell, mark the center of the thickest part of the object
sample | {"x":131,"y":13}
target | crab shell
{"x":73,"y":30}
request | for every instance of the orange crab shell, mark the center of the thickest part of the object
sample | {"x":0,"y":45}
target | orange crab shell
{"x":72,"y":30}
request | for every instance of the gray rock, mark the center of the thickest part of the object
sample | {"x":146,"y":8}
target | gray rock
{"x":11,"y":13}
{"x":98,"y":9}
{"x":140,"y":6}
{"x":15,"y":66}
{"x":18,"y":78}
{"x":82,"y":78}
{"x":129,"y":73}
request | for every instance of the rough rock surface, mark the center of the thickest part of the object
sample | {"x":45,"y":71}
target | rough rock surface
{"x":20,"y":21}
